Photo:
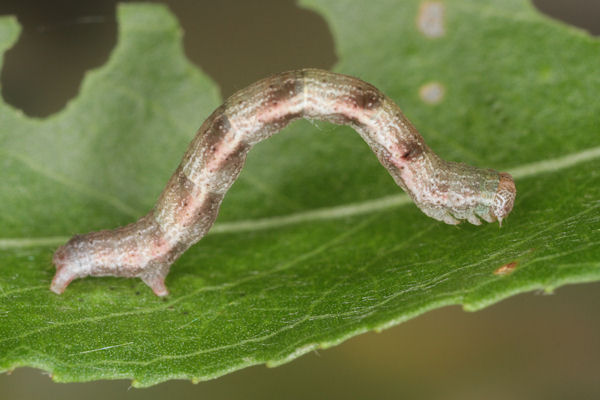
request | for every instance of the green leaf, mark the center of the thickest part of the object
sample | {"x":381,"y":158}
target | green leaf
{"x":314,"y":243}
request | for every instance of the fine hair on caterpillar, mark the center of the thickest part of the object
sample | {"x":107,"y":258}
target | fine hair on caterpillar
{"x":189,"y":204}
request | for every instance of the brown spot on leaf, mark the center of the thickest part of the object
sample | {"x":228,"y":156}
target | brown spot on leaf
{"x":506,"y":268}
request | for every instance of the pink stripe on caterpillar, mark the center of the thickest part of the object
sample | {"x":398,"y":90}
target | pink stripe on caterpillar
{"x":189,"y":204}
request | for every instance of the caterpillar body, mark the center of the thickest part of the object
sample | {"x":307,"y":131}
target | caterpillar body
{"x":189,"y":204}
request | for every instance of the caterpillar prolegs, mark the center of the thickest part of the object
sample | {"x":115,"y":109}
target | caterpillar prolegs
{"x":188,"y":206}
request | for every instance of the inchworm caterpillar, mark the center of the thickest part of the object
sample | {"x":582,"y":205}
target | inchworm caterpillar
{"x":189,"y":204}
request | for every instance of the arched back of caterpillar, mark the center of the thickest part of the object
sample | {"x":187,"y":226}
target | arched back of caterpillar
{"x":189,"y":204}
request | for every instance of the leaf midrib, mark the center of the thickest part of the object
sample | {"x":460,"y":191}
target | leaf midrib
{"x":341,"y":211}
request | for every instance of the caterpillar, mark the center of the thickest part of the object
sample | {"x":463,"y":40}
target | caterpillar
{"x":189,"y":204}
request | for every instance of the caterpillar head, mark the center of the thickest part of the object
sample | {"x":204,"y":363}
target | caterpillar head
{"x":504,"y":198}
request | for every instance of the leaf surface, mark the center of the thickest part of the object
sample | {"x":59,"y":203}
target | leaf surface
{"x":314,"y":243}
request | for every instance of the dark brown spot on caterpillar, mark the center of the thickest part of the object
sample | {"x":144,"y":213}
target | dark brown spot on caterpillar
{"x":286,"y":89}
{"x":217,"y":121}
{"x":210,"y":134}
{"x":201,"y":220}
{"x":221,"y":124}
{"x":366,"y":97}
{"x":210,"y":205}
{"x":413,"y":150}
{"x":214,"y":133}
{"x":234,"y":162}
